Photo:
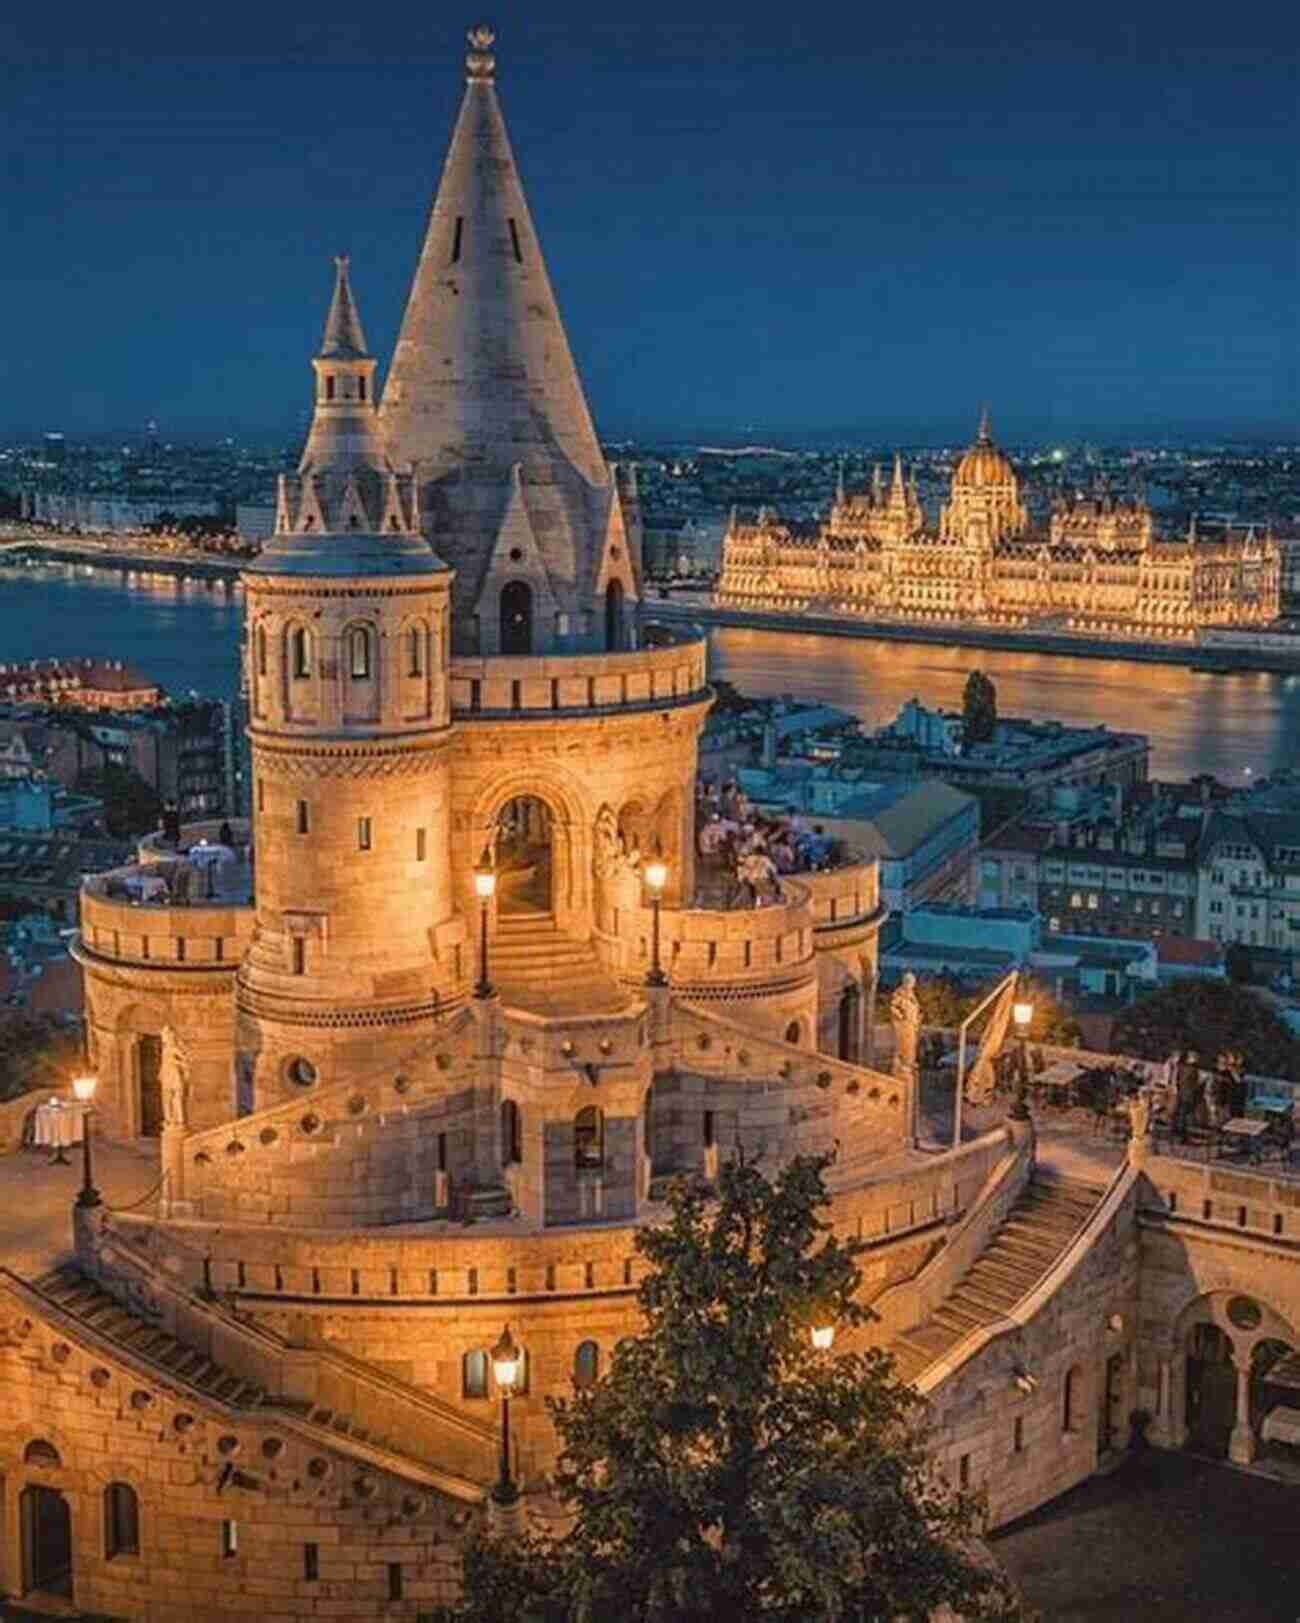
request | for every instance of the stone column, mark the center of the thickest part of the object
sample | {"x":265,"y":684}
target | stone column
{"x":1241,"y":1445}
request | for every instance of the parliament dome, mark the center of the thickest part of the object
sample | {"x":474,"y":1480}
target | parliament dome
{"x":983,"y":464}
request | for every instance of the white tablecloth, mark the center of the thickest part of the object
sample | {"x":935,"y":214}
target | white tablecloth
{"x":58,"y":1124}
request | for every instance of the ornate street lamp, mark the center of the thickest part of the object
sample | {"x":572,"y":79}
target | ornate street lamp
{"x":84,"y":1088}
{"x":506,"y":1359}
{"x":1022,"y":1013}
{"x":655,"y":874}
{"x":485,"y":886}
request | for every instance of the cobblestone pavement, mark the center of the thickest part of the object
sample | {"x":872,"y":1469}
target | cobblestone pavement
{"x":1167,"y":1538}
{"x":36,"y":1198}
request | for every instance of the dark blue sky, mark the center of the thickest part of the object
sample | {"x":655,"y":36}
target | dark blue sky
{"x":863,"y":219}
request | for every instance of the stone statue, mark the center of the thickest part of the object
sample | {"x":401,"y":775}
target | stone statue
{"x":905,"y":1014}
{"x":608,"y":852}
{"x":1139,"y":1112}
{"x":174,"y":1076}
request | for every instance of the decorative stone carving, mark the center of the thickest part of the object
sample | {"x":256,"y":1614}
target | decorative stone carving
{"x":905,"y":1014}
{"x":174,"y":1076}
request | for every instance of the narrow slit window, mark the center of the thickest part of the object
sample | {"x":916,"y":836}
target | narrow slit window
{"x":459,"y":241}
{"x":359,"y":653}
{"x":229,"y":1538}
{"x":299,"y":955}
{"x":421,"y":844}
{"x":329,"y":387}
{"x":361,"y":388}
{"x":415,"y":652}
{"x":311,"y":1562}
{"x":363,"y":833}
{"x":304,"y":818}
{"x":514,"y":242}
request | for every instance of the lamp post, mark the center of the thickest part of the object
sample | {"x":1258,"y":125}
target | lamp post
{"x":1023,"y":1014}
{"x":84,"y":1088}
{"x":655,"y":873}
{"x":505,"y":1367}
{"x":485,"y":885}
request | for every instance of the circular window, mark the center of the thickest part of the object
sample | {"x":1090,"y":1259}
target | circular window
{"x":516,"y":555}
{"x":227,"y":1445}
{"x":1245,"y":1314}
{"x":302,"y":1072}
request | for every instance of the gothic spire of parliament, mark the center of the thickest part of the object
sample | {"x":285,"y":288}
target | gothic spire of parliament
{"x":484,"y":402}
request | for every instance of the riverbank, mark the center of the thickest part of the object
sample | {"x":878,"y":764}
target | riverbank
{"x":1193,"y":657}
{"x":101,"y":555}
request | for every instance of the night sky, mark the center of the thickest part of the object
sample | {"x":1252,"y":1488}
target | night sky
{"x":861,"y":221}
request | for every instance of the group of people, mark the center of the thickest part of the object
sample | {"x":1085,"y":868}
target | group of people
{"x":1206,"y":1099}
{"x":757,"y":851}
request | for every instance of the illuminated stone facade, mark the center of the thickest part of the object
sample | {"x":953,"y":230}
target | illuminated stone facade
{"x":1098,"y":569}
{"x":265,"y":1392}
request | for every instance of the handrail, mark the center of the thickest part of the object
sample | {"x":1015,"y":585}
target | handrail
{"x":1016,"y":1317}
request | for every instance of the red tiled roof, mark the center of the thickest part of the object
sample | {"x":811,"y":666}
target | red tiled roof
{"x":1182,"y":949}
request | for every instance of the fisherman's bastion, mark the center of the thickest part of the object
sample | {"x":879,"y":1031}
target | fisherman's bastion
{"x":418,"y":1063}
{"x":1097,"y":567}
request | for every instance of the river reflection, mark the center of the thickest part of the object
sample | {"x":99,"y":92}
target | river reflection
{"x":185,"y":634}
{"x":1228,"y":725}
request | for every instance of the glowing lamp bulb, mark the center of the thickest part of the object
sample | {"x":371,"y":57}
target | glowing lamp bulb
{"x":1024,"y":1015}
{"x":84,"y":1088}
{"x":823,"y":1337}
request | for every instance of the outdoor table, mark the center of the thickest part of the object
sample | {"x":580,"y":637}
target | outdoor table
{"x":1281,"y":1426}
{"x":57,"y":1125}
{"x":1060,"y":1077}
{"x":1243,"y":1131}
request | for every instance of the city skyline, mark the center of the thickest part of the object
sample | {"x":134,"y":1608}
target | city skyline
{"x":853,"y":229}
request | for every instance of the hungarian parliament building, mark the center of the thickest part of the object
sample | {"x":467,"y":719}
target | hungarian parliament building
{"x":1099,"y":567}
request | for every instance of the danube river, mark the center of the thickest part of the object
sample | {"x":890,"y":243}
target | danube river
{"x":186,"y":635}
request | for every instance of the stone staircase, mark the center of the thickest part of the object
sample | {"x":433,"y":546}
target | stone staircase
{"x":82,"y":1299}
{"x":87,"y":1303}
{"x":1037,"y":1230}
{"x":537,"y":968}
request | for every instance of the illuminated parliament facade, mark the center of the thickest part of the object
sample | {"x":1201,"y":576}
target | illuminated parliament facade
{"x":416,"y":1060}
{"x":1099,"y":567}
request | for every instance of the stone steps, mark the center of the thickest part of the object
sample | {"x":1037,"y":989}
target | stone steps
{"x":1037,"y":1230}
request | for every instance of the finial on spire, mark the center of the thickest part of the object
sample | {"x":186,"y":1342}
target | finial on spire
{"x":480,"y":62}
{"x":986,"y":427}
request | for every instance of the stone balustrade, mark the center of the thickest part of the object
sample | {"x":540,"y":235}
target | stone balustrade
{"x":740,"y":952}
{"x":843,"y":898}
{"x":1246,"y":1200}
{"x":673,"y":670}
{"x":161,"y":935}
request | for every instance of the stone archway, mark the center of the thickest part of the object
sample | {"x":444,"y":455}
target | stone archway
{"x":525,"y":859}
{"x":555,"y":819}
{"x":1223,"y":1336}
{"x":138,"y":1045}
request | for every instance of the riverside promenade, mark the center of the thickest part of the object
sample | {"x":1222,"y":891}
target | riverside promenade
{"x":1276,"y":651}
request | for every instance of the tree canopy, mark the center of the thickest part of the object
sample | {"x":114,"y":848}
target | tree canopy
{"x":131,"y":805}
{"x":722,"y":1469}
{"x":1213,"y":1017}
{"x":35,"y":1053}
{"x":945,"y":1003}
{"x":979,"y":706}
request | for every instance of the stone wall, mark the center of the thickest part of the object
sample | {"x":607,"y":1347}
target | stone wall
{"x":205,"y":1478}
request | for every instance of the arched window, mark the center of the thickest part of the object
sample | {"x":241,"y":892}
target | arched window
{"x":1071,"y":1400}
{"x":586,"y":1366}
{"x":614,"y":616}
{"x":39,"y":1452}
{"x":121,"y":1520}
{"x":517,"y":618}
{"x":261,"y":650}
{"x":359,"y":653}
{"x":849,"y":1023}
{"x":512,"y":1135}
{"x":300,"y":653}
{"x":589,"y":1138}
{"x":415,"y":651}
{"x":793,"y":1034}
{"x":474,"y":1374}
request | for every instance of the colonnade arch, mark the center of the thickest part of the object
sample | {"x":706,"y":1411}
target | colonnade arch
{"x":1221,"y":1352}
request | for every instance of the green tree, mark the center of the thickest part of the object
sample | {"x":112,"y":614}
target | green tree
{"x":722,"y":1470}
{"x":1212,"y":1017}
{"x":131,"y":806}
{"x":979,"y":706}
{"x":35,"y":1053}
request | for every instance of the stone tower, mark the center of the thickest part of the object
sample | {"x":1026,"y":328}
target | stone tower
{"x":354,"y":951}
{"x":484,"y":405}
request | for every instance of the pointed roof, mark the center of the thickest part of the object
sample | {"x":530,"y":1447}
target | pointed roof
{"x":344,"y":338}
{"x":482,"y":377}
{"x":985,"y":436}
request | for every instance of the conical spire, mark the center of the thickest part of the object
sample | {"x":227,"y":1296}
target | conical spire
{"x":344,"y":338}
{"x":985,"y":436}
{"x":483,"y":378}
{"x":898,"y":490}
